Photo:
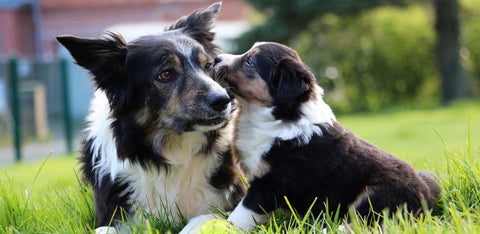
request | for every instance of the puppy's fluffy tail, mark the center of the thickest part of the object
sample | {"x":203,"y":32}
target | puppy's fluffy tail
{"x":430,"y":179}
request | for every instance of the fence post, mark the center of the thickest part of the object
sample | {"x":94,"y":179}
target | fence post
{"x":15,"y":105}
{"x":67,"y":116}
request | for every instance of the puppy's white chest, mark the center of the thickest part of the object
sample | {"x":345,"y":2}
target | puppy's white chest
{"x":257,"y":130}
{"x":252,"y":149}
{"x":253,"y":140}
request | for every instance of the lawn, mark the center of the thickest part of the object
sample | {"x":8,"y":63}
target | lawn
{"x":46,"y":196}
{"x":416,"y":135}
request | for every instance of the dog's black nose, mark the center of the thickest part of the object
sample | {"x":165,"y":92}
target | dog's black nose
{"x":217,"y":60}
{"x":218,"y":102}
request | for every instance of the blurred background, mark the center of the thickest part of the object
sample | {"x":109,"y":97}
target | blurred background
{"x":368,"y":55}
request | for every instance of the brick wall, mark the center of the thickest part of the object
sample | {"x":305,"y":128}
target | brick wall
{"x":16,"y":32}
{"x":89,"y":18}
{"x":91,"y":22}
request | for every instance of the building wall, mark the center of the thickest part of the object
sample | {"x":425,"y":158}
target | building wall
{"x":16,"y":32}
{"x":91,"y":17}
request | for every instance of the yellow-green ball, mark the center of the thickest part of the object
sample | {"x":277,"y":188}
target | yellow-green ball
{"x":217,"y":226}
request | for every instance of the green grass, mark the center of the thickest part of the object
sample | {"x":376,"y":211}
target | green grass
{"x":413,"y":135}
{"x":47,"y":197}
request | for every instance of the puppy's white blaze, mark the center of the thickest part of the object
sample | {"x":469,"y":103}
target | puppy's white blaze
{"x":100,"y":131}
{"x":226,"y":59}
{"x":244,"y":218}
{"x":258,"y":129}
{"x":259,"y":44}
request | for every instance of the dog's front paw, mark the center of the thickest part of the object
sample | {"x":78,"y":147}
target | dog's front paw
{"x":105,"y":230}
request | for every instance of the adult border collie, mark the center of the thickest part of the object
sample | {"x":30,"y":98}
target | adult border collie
{"x":158,"y":137}
{"x":291,"y":145}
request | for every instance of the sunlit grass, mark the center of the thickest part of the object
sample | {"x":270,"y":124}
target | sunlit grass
{"x":60,"y":170}
{"x":412,"y":134}
{"x":44,"y":197}
{"x":47,"y":196}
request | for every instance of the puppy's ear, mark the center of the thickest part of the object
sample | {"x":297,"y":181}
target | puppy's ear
{"x":198,"y":25}
{"x":291,"y":84}
{"x":104,"y":58}
{"x":291,"y":80}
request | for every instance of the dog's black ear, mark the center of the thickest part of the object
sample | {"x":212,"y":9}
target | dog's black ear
{"x":104,"y":58}
{"x":291,"y":84}
{"x":198,"y":25}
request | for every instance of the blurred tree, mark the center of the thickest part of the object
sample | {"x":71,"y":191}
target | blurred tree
{"x":286,"y":19}
{"x":470,"y":53}
{"x":454,"y":81}
{"x":374,"y":60}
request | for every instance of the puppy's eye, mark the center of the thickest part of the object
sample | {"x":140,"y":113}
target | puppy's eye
{"x":249,"y":62}
{"x":165,"y":75}
{"x":208,"y":66}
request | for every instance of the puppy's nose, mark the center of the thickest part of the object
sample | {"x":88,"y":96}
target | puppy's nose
{"x":217,"y":60}
{"x":218,"y":102}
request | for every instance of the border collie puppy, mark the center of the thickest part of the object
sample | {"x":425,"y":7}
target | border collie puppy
{"x":292,"y":146}
{"x":158,"y":137}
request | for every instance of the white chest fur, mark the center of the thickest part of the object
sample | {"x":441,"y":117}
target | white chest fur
{"x":257,"y":130}
{"x":185,"y":186}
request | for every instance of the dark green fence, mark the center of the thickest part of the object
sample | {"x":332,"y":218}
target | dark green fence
{"x":38,"y":94}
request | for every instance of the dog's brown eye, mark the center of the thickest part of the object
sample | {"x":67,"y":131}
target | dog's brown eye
{"x":208,"y":65}
{"x":166,"y":75}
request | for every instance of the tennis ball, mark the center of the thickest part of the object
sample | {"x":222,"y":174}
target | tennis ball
{"x":217,"y":226}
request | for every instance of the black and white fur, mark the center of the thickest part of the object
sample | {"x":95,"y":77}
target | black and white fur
{"x":159,"y":133}
{"x":292,"y":146}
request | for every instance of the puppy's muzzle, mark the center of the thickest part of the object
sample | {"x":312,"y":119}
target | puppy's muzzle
{"x":217,"y":60}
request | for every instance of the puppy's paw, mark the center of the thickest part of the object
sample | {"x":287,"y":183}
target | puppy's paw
{"x":105,"y":230}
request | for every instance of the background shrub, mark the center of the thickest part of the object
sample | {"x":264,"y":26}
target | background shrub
{"x":380,"y":58}
{"x":372,"y":57}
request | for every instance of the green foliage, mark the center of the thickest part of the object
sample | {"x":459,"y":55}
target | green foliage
{"x":368,"y":55}
{"x":286,"y":18}
{"x":470,"y":53}
{"x":384,"y":57}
